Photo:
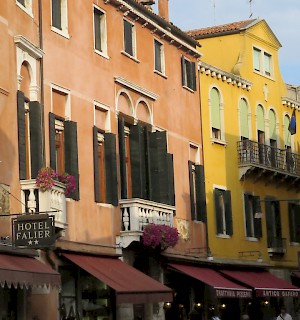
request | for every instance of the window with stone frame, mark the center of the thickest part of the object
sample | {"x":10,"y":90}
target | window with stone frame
{"x":252,"y":218}
{"x":223,"y":212}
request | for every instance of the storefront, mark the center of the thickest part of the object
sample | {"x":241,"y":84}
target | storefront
{"x":209,"y":293}
{"x":105,"y":288}
{"x":25,"y":283}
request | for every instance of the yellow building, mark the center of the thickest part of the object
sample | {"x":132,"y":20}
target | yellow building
{"x":251,"y":159}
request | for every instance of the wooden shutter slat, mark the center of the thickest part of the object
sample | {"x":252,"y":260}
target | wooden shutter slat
{"x":71,"y":154}
{"x":122,"y":156}
{"x":138,"y":162}
{"x":111,"y":168}
{"x":52,"y":141}
{"x":193,"y":76}
{"x":228,"y":212}
{"x":171,"y":189}
{"x":183,"y":71}
{"x":96,"y":165}
{"x":21,"y":134}
{"x":200,"y":193}
{"x":128,"y":43}
{"x":219,"y":223}
{"x":247,"y":215}
{"x":192,"y":193}
{"x":36,"y":144}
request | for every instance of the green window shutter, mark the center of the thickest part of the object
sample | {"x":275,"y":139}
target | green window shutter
{"x":56,"y":14}
{"x":138,"y":162}
{"x":21,"y":134}
{"x":257,"y":221}
{"x":215,"y":109}
{"x":192,"y":193}
{"x":228,"y":212}
{"x":272,"y":125}
{"x":122,"y":156}
{"x":183,"y":72}
{"x":52,"y":140}
{"x":171,"y":189}
{"x":269,"y":219}
{"x":111,"y":168}
{"x":267,"y":64}
{"x":291,"y":208}
{"x":71,"y":154}
{"x":247,"y":215}
{"x":287,"y":134}
{"x":260,"y":119}
{"x":97,"y":29}
{"x":200,"y":193}
{"x":128,"y":43}
{"x":244,"y":126}
{"x":160,"y":186}
{"x":96,"y":165}
{"x":218,"y":211}
{"x":36,"y":144}
{"x":193,"y":76}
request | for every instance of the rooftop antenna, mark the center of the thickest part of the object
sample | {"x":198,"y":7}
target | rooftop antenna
{"x":214,"y":9}
{"x":250,"y":5}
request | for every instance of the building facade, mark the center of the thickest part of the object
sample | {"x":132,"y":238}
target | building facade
{"x":107,"y":92}
{"x":251,"y":165}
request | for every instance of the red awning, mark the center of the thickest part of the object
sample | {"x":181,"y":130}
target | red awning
{"x":26,"y":272}
{"x":224,"y":288}
{"x":264,"y":283}
{"x":130,"y":284}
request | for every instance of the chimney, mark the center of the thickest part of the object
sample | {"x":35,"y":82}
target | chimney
{"x":163,"y":9}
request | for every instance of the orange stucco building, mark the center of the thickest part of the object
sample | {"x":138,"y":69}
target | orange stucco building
{"x":105,"y":90}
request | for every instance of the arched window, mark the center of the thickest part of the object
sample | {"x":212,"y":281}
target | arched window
{"x":216,"y":123}
{"x":286,"y":132}
{"x":261,"y":133}
{"x":244,"y":125}
{"x":273,"y":152}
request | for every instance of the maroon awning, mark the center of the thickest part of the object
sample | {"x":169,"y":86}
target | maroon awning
{"x":130,"y":284}
{"x":224,"y":288}
{"x":26,"y":272}
{"x":264,"y":283}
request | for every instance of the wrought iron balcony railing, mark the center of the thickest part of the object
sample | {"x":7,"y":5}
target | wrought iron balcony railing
{"x":257,"y":154}
{"x":276,"y":245}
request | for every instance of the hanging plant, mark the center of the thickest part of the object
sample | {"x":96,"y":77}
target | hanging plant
{"x":159,"y":236}
{"x":47,"y":176}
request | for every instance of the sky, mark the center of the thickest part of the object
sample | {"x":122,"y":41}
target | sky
{"x":282,"y":16}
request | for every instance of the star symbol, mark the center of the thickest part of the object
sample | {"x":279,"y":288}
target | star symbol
{"x":30,"y":242}
{"x":36,"y":241}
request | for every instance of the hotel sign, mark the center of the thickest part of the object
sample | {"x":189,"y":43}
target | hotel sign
{"x":33,"y":231}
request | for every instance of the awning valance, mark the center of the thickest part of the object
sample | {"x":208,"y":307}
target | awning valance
{"x":223,"y":287}
{"x":130,"y":284}
{"x":26,"y":272}
{"x":264,"y":283}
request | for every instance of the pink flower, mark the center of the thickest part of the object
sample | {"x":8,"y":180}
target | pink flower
{"x":159,"y":236}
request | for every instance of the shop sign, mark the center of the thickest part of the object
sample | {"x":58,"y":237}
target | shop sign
{"x":278,"y":293}
{"x":227,"y":293}
{"x":33,"y":231}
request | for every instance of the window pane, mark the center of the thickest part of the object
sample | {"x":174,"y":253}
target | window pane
{"x":128,"y":41}
{"x":97,"y":29}
{"x":256,"y":59}
{"x":215,"y":109}
{"x":158,"y":55}
{"x":56,"y":14}
{"x":22,"y":2}
{"x":267,"y":64}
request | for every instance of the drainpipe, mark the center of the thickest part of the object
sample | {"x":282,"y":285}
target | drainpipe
{"x":209,"y":255}
{"x":42,"y":80}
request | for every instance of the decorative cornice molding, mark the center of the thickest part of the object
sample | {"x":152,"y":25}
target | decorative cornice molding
{"x":29,"y":47}
{"x":137,"y":88}
{"x":220,"y":74}
{"x":290,"y":103}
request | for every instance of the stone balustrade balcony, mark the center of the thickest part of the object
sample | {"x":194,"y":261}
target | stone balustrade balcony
{"x":52,"y":201}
